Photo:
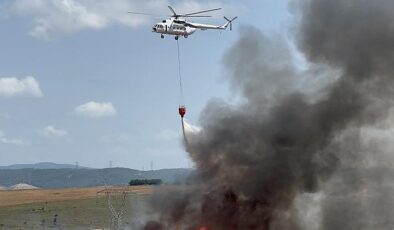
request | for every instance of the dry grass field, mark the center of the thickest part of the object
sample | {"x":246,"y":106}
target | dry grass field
{"x":79,"y":208}
{"x":16,"y":197}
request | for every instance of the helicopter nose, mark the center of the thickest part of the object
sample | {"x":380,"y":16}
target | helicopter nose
{"x":154,"y":29}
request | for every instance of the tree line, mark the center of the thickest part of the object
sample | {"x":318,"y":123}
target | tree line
{"x":145,"y":182}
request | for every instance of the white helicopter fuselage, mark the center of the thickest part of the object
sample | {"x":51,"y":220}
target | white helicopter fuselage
{"x":180,"y":27}
{"x":173,"y":28}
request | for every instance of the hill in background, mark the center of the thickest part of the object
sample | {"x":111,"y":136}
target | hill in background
{"x":84,"y":177}
{"x":41,"y":165}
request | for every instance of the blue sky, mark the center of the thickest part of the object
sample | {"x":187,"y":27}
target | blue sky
{"x":81,"y":80}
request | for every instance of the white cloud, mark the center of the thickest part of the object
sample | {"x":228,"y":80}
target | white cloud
{"x":10,"y":141}
{"x":11,"y":87}
{"x":53,"y":18}
{"x":96,"y":110}
{"x":52,"y":132}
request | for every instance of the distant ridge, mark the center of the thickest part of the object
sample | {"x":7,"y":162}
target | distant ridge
{"x":41,"y":165}
{"x":84,"y":177}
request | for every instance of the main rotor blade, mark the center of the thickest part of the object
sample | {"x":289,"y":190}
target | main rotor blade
{"x":196,"y":16}
{"x":200,"y":12}
{"x":156,"y":15}
{"x":172,"y":10}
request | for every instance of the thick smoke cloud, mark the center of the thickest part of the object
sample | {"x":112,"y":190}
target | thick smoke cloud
{"x":259,"y":160}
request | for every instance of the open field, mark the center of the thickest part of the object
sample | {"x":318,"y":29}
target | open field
{"x":12,"y":197}
{"x":65,"y":208}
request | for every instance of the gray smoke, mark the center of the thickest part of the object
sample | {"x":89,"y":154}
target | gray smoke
{"x":259,"y":161}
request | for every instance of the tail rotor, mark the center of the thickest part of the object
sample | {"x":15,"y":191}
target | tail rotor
{"x":230,"y":22}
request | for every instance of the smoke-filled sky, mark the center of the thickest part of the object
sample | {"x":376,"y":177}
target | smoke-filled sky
{"x":306,"y":146}
{"x":81,"y":80}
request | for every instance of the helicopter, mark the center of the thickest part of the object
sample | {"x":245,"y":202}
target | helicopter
{"x":177,"y":25}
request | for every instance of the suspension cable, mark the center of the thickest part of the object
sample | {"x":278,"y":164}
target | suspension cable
{"x":180,"y":74}
{"x":182,"y":108}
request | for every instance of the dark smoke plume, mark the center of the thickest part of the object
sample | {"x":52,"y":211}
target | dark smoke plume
{"x":259,"y":160}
